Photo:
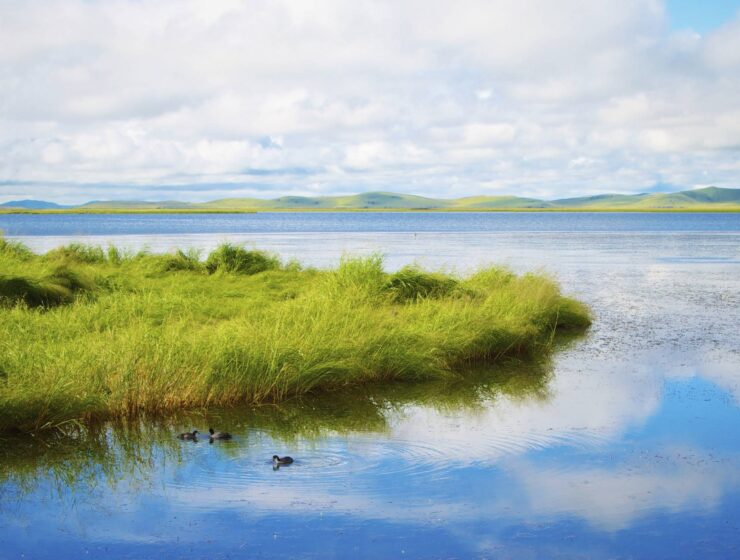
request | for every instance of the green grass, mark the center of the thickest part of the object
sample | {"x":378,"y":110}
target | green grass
{"x":88,"y":333}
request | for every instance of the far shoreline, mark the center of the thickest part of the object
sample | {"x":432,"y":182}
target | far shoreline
{"x":108,"y":211}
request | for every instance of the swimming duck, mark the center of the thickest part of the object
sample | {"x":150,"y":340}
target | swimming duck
{"x":218,"y":435}
{"x":281,"y":460}
{"x":190,"y":436}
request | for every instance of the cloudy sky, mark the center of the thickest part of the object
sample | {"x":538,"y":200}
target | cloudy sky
{"x":192,"y":100}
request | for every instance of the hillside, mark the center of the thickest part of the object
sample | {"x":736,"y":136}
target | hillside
{"x":32,"y":205}
{"x":698,"y":199}
{"x":709,"y":196}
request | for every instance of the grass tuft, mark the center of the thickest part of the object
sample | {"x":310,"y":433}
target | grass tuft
{"x":180,"y":260}
{"x":77,"y":252}
{"x":412,"y":284}
{"x":235,"y":259}
{"x":59,"y":288}
{"x":14,"y":249}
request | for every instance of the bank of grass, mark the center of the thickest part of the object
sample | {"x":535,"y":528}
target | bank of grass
{"x":93,"y":333}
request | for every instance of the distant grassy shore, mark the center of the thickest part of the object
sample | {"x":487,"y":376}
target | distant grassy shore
{"x":709,"y":199}
{"x":694,"y":209}
{"x":91,"y":333}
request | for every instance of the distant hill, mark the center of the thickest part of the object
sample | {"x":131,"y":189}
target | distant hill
{"x":32,"y":205}
{"x":378,"y":200}
{"x":600,"y":200}
{"x":356,"y":201}
{"x":492,"y":202}
{"x":709,"y":198}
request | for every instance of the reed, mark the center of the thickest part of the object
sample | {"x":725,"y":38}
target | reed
{"x":129,"y":333}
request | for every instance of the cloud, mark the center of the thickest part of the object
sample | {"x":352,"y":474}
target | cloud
{"x":612,"y":499}
{"x":426,"y":97}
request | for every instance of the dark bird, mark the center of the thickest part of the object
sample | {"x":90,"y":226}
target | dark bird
{"x":190,"y":436}
{"x":218,"y":435}
{"x":281,"y":460}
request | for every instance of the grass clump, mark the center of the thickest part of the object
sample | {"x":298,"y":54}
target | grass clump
{"x":14,"y":249}
{"x":77,"y":252}
{"x":411,"y":284}
{"x":180,"y":260}
{"x":235,"y":259}
{"x":115,"y":337}
{"x":58,"y":288}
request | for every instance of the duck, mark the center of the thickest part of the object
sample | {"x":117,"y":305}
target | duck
{"x":190,"y":436}
{"x":218,"y":435}
{"x":281,"y":460}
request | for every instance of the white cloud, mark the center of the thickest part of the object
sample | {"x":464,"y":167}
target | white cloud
{"x":165,"y":93}
{"x":612,"y":499}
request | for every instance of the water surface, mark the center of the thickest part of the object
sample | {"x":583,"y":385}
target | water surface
{"x":623,"y":445}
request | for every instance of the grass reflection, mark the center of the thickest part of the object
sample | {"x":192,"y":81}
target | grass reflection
{"x":78,"y":456}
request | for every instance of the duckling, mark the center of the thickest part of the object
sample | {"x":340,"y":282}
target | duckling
{"x":189,"y":436}
{"x":281,"y":460}
{"x":218,"y":435}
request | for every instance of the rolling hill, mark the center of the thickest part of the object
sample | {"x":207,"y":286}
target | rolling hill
{"x":705,"y":198}
{"x":32,"y":205}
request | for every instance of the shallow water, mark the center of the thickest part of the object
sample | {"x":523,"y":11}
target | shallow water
{"x":624,"y":445}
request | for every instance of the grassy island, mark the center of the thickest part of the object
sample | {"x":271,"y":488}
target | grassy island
{"x":92,"y":333}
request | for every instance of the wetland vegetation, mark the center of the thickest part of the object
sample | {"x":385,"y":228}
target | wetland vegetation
{"x":92,"y":333}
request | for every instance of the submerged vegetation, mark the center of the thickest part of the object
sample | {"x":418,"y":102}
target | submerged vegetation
{"x":88,"y":333}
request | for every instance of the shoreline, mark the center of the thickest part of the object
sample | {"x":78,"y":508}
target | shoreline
{"x":73,"y":211}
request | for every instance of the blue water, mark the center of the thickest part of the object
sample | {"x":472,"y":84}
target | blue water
{"x":310,"y":222}
{"x":624,"y":446}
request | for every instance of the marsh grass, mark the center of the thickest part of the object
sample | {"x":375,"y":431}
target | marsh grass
{"x":411,"y":284}
{"x":60,"y":287}
{"x":88,"y":334}
{"x":235,"y":259}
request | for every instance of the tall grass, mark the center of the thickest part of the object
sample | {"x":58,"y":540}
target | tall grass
{"x":232,"y":258}
{"x":133,"y":333}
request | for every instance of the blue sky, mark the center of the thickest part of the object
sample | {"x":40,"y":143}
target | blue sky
{"x":119,"y":99}
{"x":701,"y":16}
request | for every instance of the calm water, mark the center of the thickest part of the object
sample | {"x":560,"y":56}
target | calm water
{"x":624,"y":445}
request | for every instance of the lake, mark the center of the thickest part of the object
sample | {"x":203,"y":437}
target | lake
{"x":624,"y":444}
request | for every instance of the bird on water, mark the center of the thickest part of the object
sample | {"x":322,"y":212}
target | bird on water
{"x":218,"y":435}
{"x":190,"y":436}
{"x":281,"y":460}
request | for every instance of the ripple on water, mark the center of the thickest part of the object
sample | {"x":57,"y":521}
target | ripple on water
{"x":243,"y":472}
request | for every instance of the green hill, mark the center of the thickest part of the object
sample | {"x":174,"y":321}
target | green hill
{"x":600,"y":201}
{"x":356,"y":201}
{"x":714,"y":195}
{"x":492,"y":202}
{"x":379,"y":200}
{"x":709,"y":196}
{"x":699,"y":199}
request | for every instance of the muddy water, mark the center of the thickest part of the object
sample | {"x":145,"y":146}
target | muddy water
{"x":624,"y":445}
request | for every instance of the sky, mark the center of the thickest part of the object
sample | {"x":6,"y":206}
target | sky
{"x":192,"y":100}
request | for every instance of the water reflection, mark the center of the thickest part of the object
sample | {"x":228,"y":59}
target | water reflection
{"x":78,"y":456}
{"x":493,"y":462}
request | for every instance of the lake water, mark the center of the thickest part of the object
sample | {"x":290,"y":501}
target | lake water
{"x":625,"y":444}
